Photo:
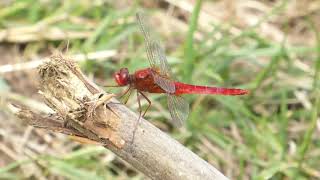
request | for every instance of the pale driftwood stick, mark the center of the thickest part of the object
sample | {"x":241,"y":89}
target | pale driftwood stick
{"x":154,"y":153}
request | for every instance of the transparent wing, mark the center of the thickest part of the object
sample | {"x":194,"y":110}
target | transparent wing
{"x":156,"y":56}
{"x":179,"y":109}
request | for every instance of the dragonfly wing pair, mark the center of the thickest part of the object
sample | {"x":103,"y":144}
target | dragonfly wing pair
{"x":178,"y":106}
{"x":179,"y":109}
{"x":156,"y":56}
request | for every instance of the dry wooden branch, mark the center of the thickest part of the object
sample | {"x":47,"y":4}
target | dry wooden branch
{"x":81,"y":113}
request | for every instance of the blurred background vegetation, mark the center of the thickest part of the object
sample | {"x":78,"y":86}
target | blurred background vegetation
{"x":271,"y":47}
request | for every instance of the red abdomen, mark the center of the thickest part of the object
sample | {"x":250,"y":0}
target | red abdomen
{"x":182,"y":88}
{"x":144,"y":81}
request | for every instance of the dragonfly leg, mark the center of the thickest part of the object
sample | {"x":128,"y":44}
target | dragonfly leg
{"x":139,"y":103}
{"x":124,"y":92}
{"x":111,"y":86}
{"x":129,"y":91}
{"x":139,"y":118}
{"x":149,"y":103}
{"x":120,"y":95}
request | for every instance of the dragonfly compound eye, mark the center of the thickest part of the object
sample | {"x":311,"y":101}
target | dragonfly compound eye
{"x":122,"y":77}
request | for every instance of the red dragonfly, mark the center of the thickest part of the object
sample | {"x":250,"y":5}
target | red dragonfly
{"x":158,"y":79}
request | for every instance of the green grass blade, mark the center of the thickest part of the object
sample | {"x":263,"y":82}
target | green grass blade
{"x":16,"y":7}
{"x":70,"y":171}
{"x":189,"y":49}
{"x":100,"y":29}
{"x":314,"y":114}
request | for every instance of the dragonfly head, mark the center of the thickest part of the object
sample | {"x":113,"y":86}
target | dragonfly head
{"x":122,"y":77}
